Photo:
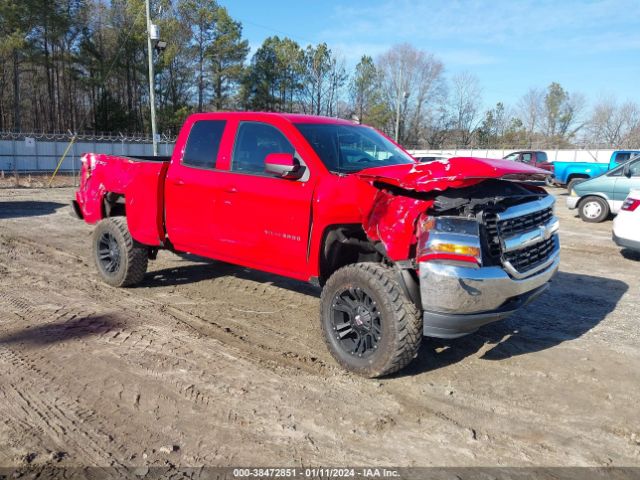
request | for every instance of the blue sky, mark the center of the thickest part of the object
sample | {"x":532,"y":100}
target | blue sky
{"x":589,"y":46}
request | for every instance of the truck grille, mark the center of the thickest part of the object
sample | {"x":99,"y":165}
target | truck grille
{"x":517,"y":225}
{"x":493,"y":239}
{"x":530,"y":256}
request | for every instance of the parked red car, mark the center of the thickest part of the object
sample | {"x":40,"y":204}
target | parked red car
{"x":400,"y":248}
{"x":536,"y":159}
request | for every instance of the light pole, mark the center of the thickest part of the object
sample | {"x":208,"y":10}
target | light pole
{"x":404,"y":96}
{"x":152,"y":94}
{"x":401,"y":96}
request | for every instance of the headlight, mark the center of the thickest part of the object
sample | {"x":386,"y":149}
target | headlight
{"x":448,"y":238}
{"x":573,"y":193}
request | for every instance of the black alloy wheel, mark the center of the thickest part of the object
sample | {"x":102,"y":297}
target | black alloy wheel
{"x":109,"y":252}
{"x":356,"y":322}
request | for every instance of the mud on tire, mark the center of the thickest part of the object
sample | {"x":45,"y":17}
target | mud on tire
{"x":120,"y":261}
{"x":364,"y":303}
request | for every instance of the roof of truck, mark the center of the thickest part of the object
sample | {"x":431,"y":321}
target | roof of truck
{"x":291,"y":117}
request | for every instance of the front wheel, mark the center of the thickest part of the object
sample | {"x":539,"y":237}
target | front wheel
{"x":370,"y":326}
{"x":593,"y":209}
{"x":121,"y":262}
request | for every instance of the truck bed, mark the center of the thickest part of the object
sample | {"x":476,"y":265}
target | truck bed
{"x":148,"y":158}
{"x":565,"y":171}
{"x":130,"y":180}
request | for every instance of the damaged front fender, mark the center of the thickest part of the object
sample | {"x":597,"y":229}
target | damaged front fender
{"x":403,"y":194}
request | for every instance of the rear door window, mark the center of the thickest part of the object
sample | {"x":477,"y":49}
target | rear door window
{"x":203,"y":144}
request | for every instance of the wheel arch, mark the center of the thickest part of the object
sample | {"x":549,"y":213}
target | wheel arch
{"x":345,"y":244}
{"x":573,"y":176}
{"x":598,"y":195}
{"x":113,"y":205}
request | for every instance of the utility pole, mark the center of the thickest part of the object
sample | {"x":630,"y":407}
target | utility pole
{"x":401,"y":95}
{"x":152,"y":93}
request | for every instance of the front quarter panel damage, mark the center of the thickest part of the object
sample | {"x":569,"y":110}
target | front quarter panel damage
{"x":392,"y":221}
{"x":403,"y":194}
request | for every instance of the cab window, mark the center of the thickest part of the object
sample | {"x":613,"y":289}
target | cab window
{"x":201,"y":150}
{"x":622,"y":157}
{"x":254,"y":141}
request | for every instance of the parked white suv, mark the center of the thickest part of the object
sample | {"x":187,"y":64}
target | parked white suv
{"x":626,"y":226}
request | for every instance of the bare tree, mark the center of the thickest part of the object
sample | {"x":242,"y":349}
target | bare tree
{"x":613,"y":124}
{"x":530,"y":108}
{"x":466,"y":102}
{"x":411,"y":80}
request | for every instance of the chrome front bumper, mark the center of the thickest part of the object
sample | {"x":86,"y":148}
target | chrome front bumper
{"x":457,"y":300}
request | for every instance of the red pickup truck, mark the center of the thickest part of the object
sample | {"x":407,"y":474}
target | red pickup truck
{"x":401,"y":249}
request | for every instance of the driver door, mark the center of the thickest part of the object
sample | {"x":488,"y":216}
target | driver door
{"x":264,"y":220}
{"x":623,"y":185}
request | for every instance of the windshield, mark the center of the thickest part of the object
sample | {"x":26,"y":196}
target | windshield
{"x":351,"y":148}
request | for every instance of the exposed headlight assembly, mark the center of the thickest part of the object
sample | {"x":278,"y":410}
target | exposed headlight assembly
{"x":448,"y":239}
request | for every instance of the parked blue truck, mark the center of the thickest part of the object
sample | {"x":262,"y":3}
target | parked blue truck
{"x":570,"y":173}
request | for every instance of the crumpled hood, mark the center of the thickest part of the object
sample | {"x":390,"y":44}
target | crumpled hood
{"x":392,"y":216}
{"x":455,"y":172}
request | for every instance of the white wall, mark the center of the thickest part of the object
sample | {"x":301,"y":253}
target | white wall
{"x":601,"y":156}
{"x":45,"y":155}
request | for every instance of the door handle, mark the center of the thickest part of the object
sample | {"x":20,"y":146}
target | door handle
{"x":178,"y":182}
{"x":231,"y":190}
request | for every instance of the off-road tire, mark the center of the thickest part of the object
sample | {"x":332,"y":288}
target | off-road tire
{"x":400,"y":320}
{"x":587,"y":215}
{"x":133,"y":257}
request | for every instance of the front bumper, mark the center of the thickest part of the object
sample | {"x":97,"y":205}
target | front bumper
{"x":457,"y":300}
{"x":572,"y":202}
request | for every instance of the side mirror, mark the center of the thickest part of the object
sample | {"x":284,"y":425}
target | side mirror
{"x":283,"y":165}
{"x":626,"y":170}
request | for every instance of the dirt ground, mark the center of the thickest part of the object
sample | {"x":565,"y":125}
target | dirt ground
{"x":36,"y":180}
{"x":212,"y":364}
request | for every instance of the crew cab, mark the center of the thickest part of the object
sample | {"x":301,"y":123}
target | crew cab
{"x":572,"y":173}
{"x":401,"y":249}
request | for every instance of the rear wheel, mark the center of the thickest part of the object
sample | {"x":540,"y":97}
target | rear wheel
{"x":121,"y":262}
{"x":548,"y":181}
{"x":593,"y":209}
{"x":370,"y":326}
{"x":573,"y":182}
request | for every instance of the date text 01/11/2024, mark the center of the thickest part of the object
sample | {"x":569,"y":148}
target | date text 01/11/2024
{"x":316,"y":472}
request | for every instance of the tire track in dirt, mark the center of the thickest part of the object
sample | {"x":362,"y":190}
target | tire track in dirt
{"x":217,"y":354}
{"x":153,"y":345}
{"x":39,"y":403}
{"x":259,"y":341}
